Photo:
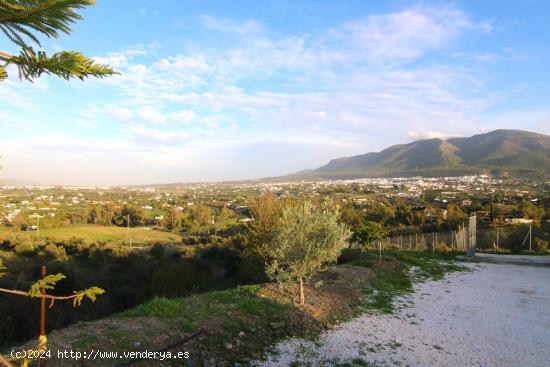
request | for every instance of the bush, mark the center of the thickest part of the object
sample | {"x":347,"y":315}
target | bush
{"x":541,"y":245}
{"x":442,"y":247}
{"x":157,"y":251}
{"x":56,"y":252}
{"x":25,"y":248}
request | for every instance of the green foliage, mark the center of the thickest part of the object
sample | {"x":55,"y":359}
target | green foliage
{"x":48,"y":282}
{"x":2,"y":268}
{"x":351,"y":217}
{"x":385,"y":286}
{"x":530,"y":211}
{"x":455,"y":215}
{"x":64,"y":64}
{"x":25,"y":248}
{"x":173,"y":220}
{"x":90,"y":293}
{"x":25,"y":19}
{"x":20,"y":18}
{"x":56,"y":252}
{"x":306,"y":240}
{"x":200,"y":216}
{"x":540,"y":246}
{"x":368,"y":233}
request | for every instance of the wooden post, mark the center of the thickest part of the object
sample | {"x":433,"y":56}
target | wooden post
{"x":452,"y":239}
{"x":302,"y":298}
{"x":530,"y":230}
{"x":43,"y":305}
{"x":498,"y":230}
{"x":42,"y":337}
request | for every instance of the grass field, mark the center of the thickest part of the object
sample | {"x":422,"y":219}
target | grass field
{"x":140,"y":235}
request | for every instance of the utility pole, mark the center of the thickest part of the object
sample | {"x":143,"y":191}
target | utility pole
{"x":37,"y":216}
{"x":530,"y":231}
{"x":128,"y":231}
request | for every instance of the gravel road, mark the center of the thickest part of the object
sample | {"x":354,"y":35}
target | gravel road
{"x":494,"y":315}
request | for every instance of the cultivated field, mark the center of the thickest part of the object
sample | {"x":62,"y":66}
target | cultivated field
{"x":109,"y":234}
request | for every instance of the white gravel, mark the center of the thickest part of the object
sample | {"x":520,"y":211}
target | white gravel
{"x":495,"y":315}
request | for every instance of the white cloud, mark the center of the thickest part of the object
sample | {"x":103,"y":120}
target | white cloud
{"x":229,"y":25}
{"x":151,"y":115}
{"x":182,"y":116}
{"x":225,"y":109}
{"x":403,"y":35}
{"x":419,"y":135}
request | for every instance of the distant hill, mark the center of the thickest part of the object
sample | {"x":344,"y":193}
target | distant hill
{"x":501,"y":152}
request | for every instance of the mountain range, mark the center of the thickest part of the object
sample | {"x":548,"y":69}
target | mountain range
{"x":499,"y":152}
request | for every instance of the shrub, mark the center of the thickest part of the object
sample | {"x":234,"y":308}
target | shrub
{"x":157,"y":251}
{"x":56,"y":252}
{"x":541,"y":245}
{"x":25,"y":248}
{"x":442,"y":247}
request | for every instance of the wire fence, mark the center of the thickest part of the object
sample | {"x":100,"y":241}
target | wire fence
{"x":503,"y":238}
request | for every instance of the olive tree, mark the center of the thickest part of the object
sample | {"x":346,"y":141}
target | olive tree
{"x":306,"y":240}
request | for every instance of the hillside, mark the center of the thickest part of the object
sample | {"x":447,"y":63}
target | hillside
{"x":498,"y":152}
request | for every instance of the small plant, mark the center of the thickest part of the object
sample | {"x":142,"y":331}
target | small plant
{"x":366,"y":234}
{"x":38,"y":290}
{"x":442,"y":247}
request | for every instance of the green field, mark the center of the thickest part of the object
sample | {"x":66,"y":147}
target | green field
{"x":112,"y":234}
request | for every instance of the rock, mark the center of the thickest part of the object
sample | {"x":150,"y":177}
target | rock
{"x":228,"y":346}
{"x":241,"y":334}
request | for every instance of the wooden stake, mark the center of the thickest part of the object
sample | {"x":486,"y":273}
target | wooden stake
{"x":42,"y":338}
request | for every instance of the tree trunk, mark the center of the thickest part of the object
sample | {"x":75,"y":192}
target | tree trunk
{"x":302,"y":298}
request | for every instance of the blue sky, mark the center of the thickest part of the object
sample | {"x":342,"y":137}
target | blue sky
{"x":217,"y":90}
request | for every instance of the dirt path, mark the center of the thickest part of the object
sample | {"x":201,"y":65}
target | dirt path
{"x":495,"y":315}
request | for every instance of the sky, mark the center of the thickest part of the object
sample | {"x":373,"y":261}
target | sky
{"x":227,"y":90}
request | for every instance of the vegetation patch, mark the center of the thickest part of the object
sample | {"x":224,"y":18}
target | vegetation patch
{"x":239,"y":324}
{"x":396,"y":274}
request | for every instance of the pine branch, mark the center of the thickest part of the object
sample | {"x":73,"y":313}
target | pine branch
{"x":65,"y":64}
{"x":77,"y":297}
{"x":19,"y":18}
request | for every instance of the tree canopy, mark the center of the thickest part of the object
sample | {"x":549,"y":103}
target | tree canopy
{"x":23,"y":21}
{"x":306,"y":239}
